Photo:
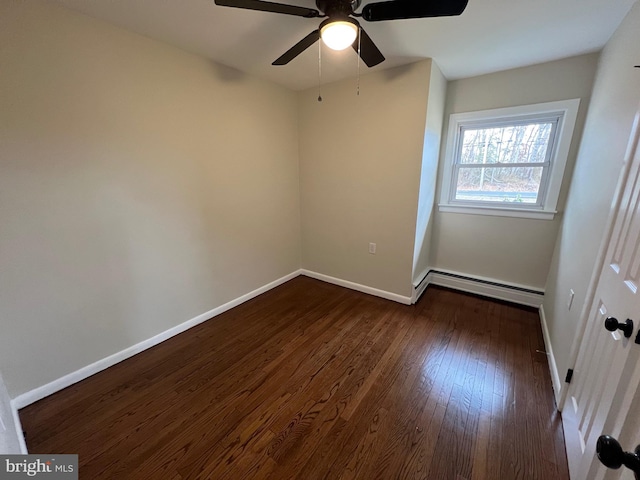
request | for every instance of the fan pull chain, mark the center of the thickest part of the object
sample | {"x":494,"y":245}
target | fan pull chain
{"x":319,"y":68}
{"x":359,"y":45}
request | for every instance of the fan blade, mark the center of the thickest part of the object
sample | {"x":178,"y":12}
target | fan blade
{"x":298,"y":48}
{"x":400,"y":9}
{"x":369,"y":53}
{"x":270,"y":7}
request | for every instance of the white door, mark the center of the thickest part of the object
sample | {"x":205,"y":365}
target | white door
{"x":605,"y":376}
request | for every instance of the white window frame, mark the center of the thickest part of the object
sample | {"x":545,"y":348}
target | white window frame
{"x":564,"y":112}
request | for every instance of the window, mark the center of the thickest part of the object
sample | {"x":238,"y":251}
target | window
{"x":508,"y":161}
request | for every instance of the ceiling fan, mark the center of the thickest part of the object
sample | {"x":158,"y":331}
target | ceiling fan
{"x":340,"y":29}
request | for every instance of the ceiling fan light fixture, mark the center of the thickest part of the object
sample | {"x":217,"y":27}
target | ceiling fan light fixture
{"x":339,"y":34}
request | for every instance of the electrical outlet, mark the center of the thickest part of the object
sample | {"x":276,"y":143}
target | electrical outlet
{"x":372,"y":248}
{"x":570,"y":301}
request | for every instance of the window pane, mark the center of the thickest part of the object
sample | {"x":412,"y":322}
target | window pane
{"x":499,"y":184}
{"x":508,"y":144}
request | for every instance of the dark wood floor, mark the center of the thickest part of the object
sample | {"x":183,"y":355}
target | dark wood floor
{"x":314,"y":381}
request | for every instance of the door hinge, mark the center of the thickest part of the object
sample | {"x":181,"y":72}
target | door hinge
{"x":569,"y":376}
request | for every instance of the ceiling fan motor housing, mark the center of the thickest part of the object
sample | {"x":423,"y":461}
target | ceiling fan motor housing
{"x":337,"y":8}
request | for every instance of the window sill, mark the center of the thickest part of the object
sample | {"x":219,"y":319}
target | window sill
{"x":498,"y":211}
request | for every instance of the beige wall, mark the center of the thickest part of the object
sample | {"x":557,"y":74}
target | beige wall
{"x":509,"y":249}
{"x":429,"y":172}
{"x":615,"y":99}
{"x":140,"y":186}
{"x":360,"y":162}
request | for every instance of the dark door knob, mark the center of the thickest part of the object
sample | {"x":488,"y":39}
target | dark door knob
{"x":611,"y":455}
{"x":609,"y":452}
{"x":612,"y":324}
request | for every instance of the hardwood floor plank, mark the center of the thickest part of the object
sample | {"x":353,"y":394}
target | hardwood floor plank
{"x":313,"y":381}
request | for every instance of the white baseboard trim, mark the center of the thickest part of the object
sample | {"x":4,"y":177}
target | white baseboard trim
{"x":510,"y":292}
{"x":419,"y":289}
{"x":18,"y":427}
{"x":358,"y":287}
{"x":39,"y":393}
{"x":553,"y":367}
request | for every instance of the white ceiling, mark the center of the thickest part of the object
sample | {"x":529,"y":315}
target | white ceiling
{"x":491,"y":35}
